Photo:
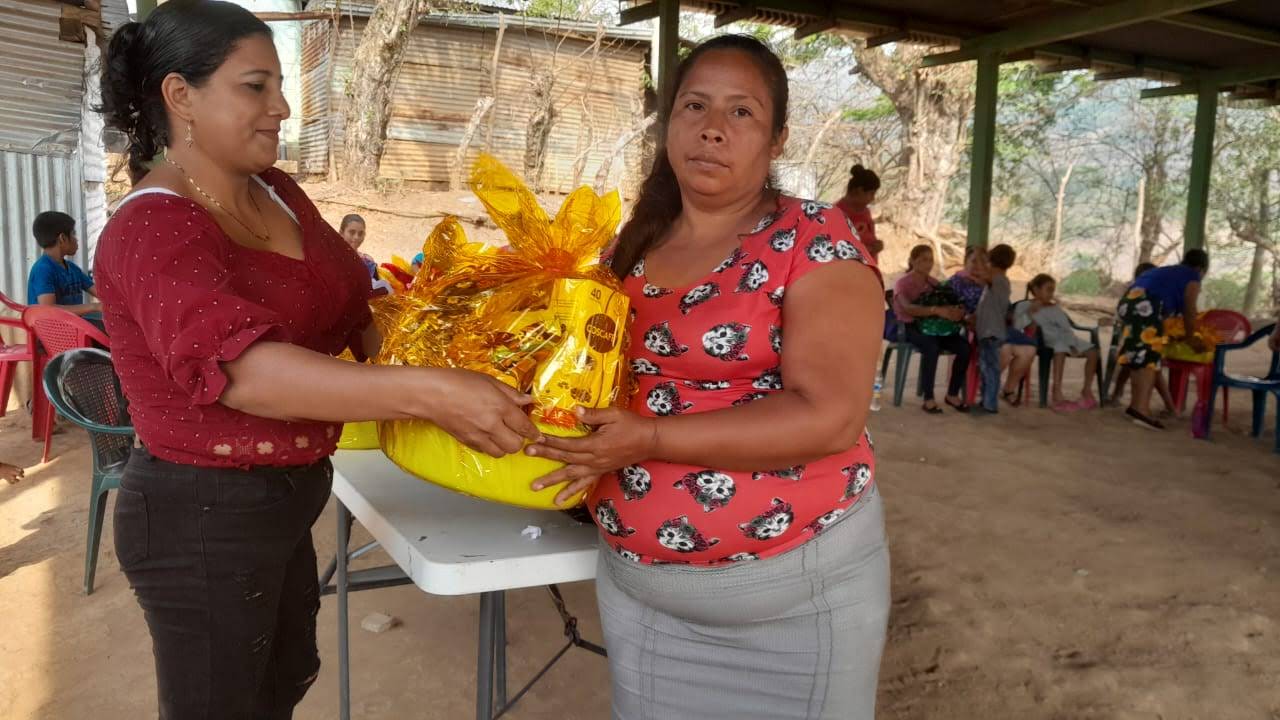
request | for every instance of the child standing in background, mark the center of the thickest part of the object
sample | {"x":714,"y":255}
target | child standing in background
{"x":991,"y":325}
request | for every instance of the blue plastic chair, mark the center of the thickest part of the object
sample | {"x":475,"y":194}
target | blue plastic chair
{"x":1044,"y":354}
{"x":1260,"y":387}
{"x":82,"y":386}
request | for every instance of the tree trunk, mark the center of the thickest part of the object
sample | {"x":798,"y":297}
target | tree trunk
{"x":1137,"y":223}
{"x":540,"y":121}
{"x":1054,"y":261}
{"x":1153,"y":211}
{"x":457,"y":178}
{"x":934,"y":106}
{"x":620,"y":145}
{"x":1253,"y":290}
{"x":494,"y":71}
{"x":373,"y":70}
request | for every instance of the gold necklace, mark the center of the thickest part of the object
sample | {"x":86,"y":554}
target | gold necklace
{"x":264,"y":238}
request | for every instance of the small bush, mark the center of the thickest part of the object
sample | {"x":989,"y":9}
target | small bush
{"x":1225,"y":292}
{"x":1082,"y":282}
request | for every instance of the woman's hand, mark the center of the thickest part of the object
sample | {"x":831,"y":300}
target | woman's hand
{"x":955,"y":314}
{"x":620,"y":438}
{"x":479,"y":411}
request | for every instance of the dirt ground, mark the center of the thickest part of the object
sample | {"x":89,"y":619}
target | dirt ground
{"x":1044,"y":566}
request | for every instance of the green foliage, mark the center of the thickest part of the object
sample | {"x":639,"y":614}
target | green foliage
{"x":578,"y":10}
{"x":1222,"y":291}
{"x":879,"y":109}
{"x":1082,"y":282}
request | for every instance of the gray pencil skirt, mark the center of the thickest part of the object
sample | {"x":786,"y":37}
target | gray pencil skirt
{"x":797,"y":636}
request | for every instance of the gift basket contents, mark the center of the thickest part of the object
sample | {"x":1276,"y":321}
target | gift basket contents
{"x":541,"y":315}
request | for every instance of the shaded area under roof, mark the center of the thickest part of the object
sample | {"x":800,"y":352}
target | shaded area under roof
{"x":1170,"y":40}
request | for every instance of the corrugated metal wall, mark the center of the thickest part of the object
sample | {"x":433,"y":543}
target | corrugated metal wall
{"x":29,"y":185}
{"x":40,"y":78}
{"x":596,"y":97}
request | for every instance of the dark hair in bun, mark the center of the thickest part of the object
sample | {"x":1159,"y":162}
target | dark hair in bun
{"x":189,"y":37}
{"x":861,"y":178}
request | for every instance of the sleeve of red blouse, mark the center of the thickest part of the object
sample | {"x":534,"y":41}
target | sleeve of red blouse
{"x":827,"y":237}
{"x":174,"y":279}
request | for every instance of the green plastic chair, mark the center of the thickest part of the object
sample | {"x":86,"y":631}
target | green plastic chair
{"x":82,"y":386}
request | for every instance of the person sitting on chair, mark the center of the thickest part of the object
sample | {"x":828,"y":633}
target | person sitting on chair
{"x":55,"y":279}
{"x":907,"y":294}
{"x":1055,"y":328}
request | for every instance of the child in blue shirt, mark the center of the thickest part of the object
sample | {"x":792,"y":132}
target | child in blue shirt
{"x":55,"y":279}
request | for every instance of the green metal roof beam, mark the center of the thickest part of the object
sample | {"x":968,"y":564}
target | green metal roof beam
{"x":1219,"y":79}
{"x":745,"y":11}
{"x":1226,"y":28}
{"x":813,"y":28}
{"x":1085,"y":21}
{"x":892,"y":36}
{"x":638,"y":13}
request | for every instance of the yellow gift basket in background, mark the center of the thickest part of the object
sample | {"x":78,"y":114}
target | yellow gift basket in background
{"x":543,"y":316}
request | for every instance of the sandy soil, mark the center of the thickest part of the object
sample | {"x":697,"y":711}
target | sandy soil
{"x":1044,"y":566}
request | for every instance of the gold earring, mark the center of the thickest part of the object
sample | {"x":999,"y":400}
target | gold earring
{"x":189,"y":138}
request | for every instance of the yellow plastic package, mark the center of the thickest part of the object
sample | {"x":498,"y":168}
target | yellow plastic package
{"x":357,"y":435}
{"x":1178,"y":348}
{"x":543,"y":316}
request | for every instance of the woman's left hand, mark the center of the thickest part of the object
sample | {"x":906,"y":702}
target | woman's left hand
{"x":620,"y":438}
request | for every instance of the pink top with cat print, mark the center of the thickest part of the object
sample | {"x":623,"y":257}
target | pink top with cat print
{"x":711,"y":346}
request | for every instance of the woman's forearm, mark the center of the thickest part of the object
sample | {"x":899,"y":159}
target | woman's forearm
{"x":920,"y":311}
{"x":782,"y":430}
{"x":286,"y":382}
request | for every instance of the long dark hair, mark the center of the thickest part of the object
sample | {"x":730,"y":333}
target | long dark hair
{"x":189,"y":37}
{"x":659,"y":202}
{"x":348,"y":219}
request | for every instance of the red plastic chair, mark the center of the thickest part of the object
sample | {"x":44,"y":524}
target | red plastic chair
{"x":11,"y":355}
{"x":1230,"y":327}
{"x":53,"y":332}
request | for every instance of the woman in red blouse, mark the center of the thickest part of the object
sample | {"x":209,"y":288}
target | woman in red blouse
{"x":743,"y":571}
{"x":856,"y":204}
{"x":227,"y":296}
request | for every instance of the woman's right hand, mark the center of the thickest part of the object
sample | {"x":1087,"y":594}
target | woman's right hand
{"x":482,"y":413}
{"x":955,"y":314}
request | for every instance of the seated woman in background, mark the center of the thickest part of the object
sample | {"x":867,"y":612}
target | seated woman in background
{"x":1055,"y":327}
{"x":907,"y":293}
{"x":971,"y":281}
{"x":858,"y":196}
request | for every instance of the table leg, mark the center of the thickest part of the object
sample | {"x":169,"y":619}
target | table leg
{"x":344,"y":658}
{"x":484,"y":659}
{"x":500,"y":648}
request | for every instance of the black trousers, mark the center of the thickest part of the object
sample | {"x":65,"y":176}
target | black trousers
{"x":223,"y":566}
{"x":930,"y":348}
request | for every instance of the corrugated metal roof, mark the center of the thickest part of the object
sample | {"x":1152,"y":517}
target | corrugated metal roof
{"x":29,"y":185}
{"x":40,"y":79}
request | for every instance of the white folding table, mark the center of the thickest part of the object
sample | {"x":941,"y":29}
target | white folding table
{"x":450,"y":544}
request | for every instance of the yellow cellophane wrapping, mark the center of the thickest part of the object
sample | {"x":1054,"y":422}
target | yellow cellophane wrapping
{"x":357,"y":435}
{"x":542,"y":316}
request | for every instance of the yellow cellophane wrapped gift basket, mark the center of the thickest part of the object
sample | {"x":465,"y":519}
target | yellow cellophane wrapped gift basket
{"x":358,"y":435}
{"x":1177,"y":348}
{"x":542,"y":315}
